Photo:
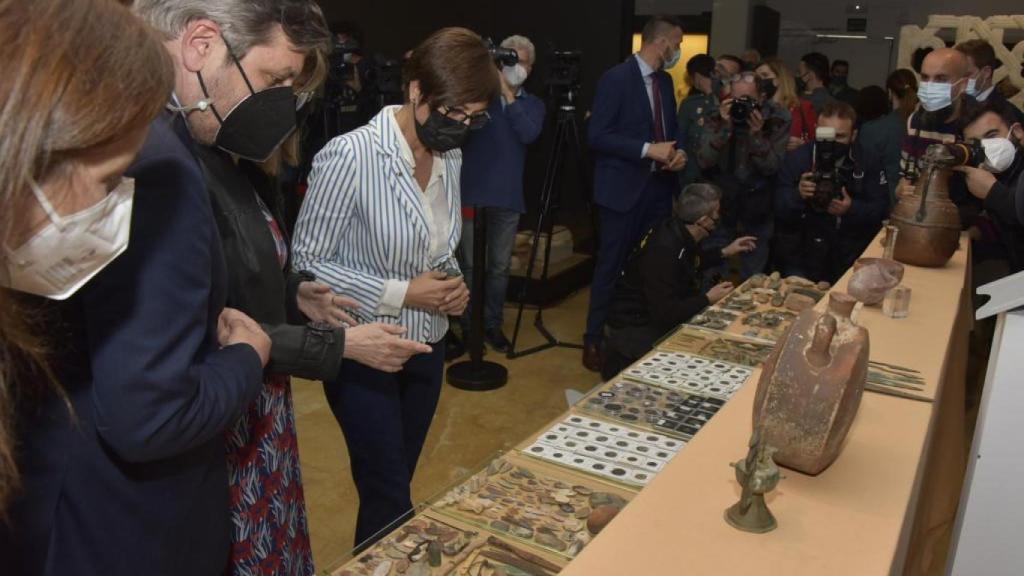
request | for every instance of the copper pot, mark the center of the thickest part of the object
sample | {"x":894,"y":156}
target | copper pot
{"x":928,"y":221}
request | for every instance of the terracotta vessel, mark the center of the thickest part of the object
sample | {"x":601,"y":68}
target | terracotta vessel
{"x":873,"y":278}
{"x":811,"y":386}
{"x":928,"y":221}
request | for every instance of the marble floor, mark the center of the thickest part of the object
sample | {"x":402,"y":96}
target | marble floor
{"x":469,"y":427}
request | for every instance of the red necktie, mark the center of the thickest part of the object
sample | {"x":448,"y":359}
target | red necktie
{"x":659,"y":128}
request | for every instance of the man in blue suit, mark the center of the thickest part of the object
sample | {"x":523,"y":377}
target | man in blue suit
{"x":632,"y":132}
{"x":493,"y":160}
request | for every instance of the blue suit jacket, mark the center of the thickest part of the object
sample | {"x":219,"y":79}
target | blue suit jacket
{"x":621,"y":122}
{"x":494,"y":157}
{"x":134,"y":482}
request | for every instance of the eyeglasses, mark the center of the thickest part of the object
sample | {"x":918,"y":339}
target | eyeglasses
{"x":474,"y":121}
{"x":744,"y":77}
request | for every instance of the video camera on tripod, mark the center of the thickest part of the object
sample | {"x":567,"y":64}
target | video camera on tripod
{"x":563,"y":80}
{"x":833,"y":168}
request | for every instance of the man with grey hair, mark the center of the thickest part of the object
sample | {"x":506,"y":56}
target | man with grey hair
{"x":661,"y":285}
{"x":494,"y":158}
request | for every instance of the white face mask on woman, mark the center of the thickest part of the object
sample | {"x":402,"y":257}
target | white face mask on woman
{"x":62,"y":257}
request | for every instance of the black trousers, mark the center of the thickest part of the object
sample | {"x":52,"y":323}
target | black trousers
{"x":385,"y":419}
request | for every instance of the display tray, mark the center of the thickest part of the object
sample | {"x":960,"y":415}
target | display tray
{"x":433,"y":545}
{"x":650,"y":407}
{"x":758,"y":307}
{"x":608,"y":450}
{"x":541,"y":506}
{"x":717,"y":345}
{"x":689,"y":373}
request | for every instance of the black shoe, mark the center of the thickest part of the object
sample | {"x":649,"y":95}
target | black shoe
{"x":593,"y":357}
{"x":453,"y":347}
{"x":497,"y":340}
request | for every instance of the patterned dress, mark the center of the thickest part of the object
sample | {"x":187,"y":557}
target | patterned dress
{"x":268,"y":511}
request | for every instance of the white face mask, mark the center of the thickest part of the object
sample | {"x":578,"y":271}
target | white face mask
{"x":514,"y":75}
{"x":972,"y":87}
{"x":935,"y":95}
{"x":71,"y":249}
{"x":999,"y":153}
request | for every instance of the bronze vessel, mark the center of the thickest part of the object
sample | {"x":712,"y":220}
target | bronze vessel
{"x":811,"y":386}
{"x":928,"y":221}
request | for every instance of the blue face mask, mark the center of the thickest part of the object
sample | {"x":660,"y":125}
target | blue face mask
{"x":673,"y":59}
{"x":935,"y":95}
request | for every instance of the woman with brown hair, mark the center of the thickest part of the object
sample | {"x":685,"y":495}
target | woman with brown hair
{"x":880,"y":139}
{"x":779,"y":85}
{"x":82,"y":81}
{"x":381,"y":223}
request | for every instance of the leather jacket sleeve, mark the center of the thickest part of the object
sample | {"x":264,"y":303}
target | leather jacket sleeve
{"x":312,"y":351}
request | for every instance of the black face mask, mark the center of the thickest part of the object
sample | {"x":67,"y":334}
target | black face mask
{"x":258,"y":124}
{"x":441,"y":133}
{"x":801,"y":84}
{"x":767,"y":88}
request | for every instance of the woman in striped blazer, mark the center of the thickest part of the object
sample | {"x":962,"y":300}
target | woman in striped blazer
{"x":381,"y":223}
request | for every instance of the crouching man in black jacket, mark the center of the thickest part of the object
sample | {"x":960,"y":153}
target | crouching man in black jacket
{"x":660,"y":287}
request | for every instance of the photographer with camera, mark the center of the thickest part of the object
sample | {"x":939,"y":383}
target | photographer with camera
{"x":741,"y":149}
{"x":660,"y":287}
{"x":993,"y":126}
{"x":828,"y":208}
{"x":493,"y":161}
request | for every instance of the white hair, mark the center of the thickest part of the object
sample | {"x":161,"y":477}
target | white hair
{"x":523,"y":43}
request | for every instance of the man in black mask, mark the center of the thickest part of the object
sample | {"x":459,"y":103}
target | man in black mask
{"x":661,"y":285}
{"x":828,"y":205}
{"x":997,"y":180}
{"x":839,"y":85}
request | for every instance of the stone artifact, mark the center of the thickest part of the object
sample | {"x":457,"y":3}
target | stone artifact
{"x":928,"y":221}
{"x":541,"y":510}
{"x":728,"y":347}
{"x":811,"y":386}
{"x":758,"y":475}
{"x":421,"y":546}
{"x":497,"y":557}
{"x":873,"y":278}
{"x":606,"y":449}
{"x":799,"y":302}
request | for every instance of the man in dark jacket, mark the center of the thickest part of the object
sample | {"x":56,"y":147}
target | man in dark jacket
{"x":493,"y":161}
{"x":632,"y":133}
{"x":817,"y":238}
{"x":997,"y":181}
{"x":661,"y":285}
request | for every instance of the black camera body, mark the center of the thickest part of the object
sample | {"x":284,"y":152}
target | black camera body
{"x":563,"y":79}
{"x":502,"y":56}
{"x":742,"y":108}
{"x":833,"y":168}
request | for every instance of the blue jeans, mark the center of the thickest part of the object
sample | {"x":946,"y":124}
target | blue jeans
{"x":385,"y":419}
{"x":501,"y":239}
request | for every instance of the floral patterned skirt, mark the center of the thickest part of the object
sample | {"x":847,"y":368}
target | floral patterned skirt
{"x":268,"y":511}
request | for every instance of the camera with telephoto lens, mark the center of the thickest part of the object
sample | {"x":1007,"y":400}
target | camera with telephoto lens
{"x":967,"y":153}
{"x":742,"y":108}
{"x":832,"y":168}
{"x":502,"y":56}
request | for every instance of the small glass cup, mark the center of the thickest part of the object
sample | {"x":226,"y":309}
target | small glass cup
{"x":889,"y":240}
{"x":897,"y":302}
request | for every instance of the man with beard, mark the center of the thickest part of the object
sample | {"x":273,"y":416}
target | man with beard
{"x":996,"y":181}
{"x":943,"y":103}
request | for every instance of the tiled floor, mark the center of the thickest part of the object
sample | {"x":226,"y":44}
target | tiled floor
{"x":469,"y":427}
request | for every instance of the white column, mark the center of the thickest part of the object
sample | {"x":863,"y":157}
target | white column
{"x":730,"y":26}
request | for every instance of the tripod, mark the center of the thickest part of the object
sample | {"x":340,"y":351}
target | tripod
{"x":567,"y":138}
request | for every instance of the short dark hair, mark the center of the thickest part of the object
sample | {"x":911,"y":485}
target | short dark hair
{"x":700,"y":64}
{"x":840,"y":63}
{"x":980,"y":52}
{"x":872,"y":102}
{"x":453,"y":67}
{"x":658,"y":26}
{"x":734,"y":59}
{"x":838,"y":109}
{"x":817,"y":64}
{"x":1002,"y":108}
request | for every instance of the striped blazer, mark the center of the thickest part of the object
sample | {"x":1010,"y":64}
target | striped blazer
{"x":363,"y":222}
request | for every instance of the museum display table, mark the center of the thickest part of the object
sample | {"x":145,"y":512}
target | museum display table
{"x":878,"y":509}
{"x":884,"y":506}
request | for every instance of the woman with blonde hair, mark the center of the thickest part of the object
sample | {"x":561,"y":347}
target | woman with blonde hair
{"x":778,"y":82}
{"x":75,"y":103}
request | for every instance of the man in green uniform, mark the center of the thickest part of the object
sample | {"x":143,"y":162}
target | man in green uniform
{"x":694,"y":110}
